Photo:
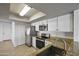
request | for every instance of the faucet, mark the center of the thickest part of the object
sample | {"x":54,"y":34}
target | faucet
{"x":65,"y":45}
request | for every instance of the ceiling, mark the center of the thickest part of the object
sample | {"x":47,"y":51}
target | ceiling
{"x":17,"y":7}
{"x":54,"y":9}
{"x":50,"y":9}
{"x":32,"y":14}
{"x":4,"y":10}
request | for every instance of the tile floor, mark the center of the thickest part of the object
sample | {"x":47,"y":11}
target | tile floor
{"x":7,"y":49}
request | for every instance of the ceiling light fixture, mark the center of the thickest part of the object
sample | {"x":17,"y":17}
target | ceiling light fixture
{"x":24,"y":10}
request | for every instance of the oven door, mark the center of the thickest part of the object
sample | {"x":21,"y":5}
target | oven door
{"x":40,"y":44}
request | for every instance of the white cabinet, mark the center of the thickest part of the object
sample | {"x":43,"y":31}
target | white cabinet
{"x":52,"y":24}
{"x":62,"y":23}
{"x":5,"y":31}
{"x":37,"y":26}
{"x":34,"y":42}
{"x":65,"y":23}
{"x":20,"y":33}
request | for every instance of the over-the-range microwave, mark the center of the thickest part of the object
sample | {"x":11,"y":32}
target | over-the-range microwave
{"x":43,"y":27}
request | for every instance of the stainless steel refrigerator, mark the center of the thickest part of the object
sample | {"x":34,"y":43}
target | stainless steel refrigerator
{"x":31,"y":32}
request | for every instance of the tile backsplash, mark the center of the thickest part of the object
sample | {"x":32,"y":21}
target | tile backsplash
{"x":59,"y":34}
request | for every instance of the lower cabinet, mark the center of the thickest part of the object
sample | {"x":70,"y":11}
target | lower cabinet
{"x":58,"y":52}
{"x":34,"y":42}
{"x":53,"y":51}
{"x":46,"y":52}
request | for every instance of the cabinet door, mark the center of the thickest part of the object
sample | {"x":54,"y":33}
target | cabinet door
{"x":37,"y":26}
{"x":7,"y":31}
{"x":20,"y":33}
{"x":34,"y":42}
{"x":65,"y":23}
{"x":1,"y":31}
{"x":52,"y":25}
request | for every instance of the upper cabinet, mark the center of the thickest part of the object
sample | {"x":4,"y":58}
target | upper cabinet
{"x":52,"y":24}
{"x":36,"y":24}
{"x":62,"y":23}
{"x":65,"y":23}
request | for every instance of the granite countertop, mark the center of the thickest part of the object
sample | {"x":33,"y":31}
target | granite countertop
{"x":57,"y":42}
{"x":40,"y":50}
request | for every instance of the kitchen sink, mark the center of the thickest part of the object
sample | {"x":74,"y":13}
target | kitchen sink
{"x":52,"y":51}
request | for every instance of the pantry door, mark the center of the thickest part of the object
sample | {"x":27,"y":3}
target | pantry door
{"x":20,"y":33}
{"x":7,"y":31}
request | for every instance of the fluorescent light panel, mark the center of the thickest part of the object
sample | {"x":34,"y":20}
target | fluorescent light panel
{"x":24,"y":10}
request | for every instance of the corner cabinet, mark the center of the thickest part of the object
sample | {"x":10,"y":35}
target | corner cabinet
{"x":52,"y":24}
{"x":65,"y":23}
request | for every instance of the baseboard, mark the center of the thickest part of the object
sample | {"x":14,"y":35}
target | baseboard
{"x":21,"y":44}
{"x":7,"y":40}
{"x":1,"y":41}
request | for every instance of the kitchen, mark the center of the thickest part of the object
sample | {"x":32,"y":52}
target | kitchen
{"x":45,"y":29}
{"x":54,"y":33}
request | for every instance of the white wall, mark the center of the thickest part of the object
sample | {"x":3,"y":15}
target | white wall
{"x":76,"y":31}
{"x":1,"y":32}
{"x":14,"y":17}
{"x":13,"y":34}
